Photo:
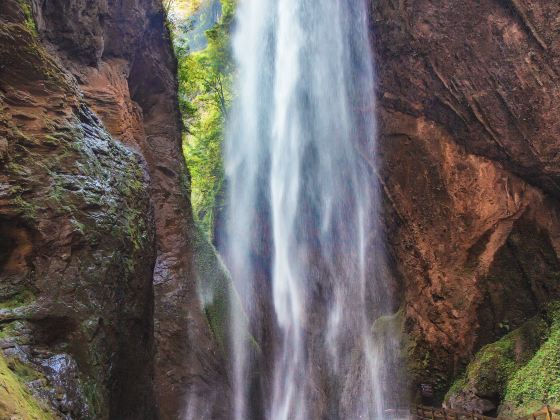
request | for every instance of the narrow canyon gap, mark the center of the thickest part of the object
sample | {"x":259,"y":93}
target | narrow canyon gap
{"x":301,"y":231}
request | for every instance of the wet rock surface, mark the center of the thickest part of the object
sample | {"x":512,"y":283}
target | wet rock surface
{"x":76,"y":266}
{"x":97,"y":290}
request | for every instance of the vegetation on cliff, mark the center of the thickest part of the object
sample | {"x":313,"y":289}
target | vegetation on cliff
{"x":76,"y":199}
{"x":205,"y":90}
{"x":201,"y":38}
{"x":538,"y":381}
{"x":520,"y":372}
{"x":16,"y":401}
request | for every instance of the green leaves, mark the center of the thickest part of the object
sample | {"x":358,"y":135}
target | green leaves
{"x":539,"y":380}
{"x":205,"y":94}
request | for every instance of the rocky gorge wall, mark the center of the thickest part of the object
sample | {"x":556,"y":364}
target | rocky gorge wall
{"x":468,"y":108}
{"x":99,"y":313}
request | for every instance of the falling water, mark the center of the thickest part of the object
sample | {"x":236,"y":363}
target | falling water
{"x":302,"y":206}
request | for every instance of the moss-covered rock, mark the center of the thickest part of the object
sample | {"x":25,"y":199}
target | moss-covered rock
{"x":214,"y":285}
{"x":29,"y":20}
{"x":216,"y":291}
{"x":16,"y":400}
{"x":515,"y":375}
{"x":538,"y":382}
{"x":77,"y":240}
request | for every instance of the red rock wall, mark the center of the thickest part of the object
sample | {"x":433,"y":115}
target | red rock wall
{"x":469,"y":130}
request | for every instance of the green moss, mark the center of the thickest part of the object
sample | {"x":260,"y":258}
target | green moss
{"x":457,"y":386}
{"x":397,"y":348}
{"x":7,"y":330}
{"x":22,"y":298}
{"x":214,"y":285}
{"x":51,"y":140}
{"x":423,"y":365}
{"x":22,"y":370}
{"x":133,"y":186}
{"x":94,"y":396}
{"x":388,"y":325}
{"x":78,"y":226}
{"x":16,"y":401}
{"x":34,"y":58}
{"x":522,"y":369}
{"x":390,"y":330}
{"x":58,"y":196}
{"x":538,"y":382}
{"x":136,"y":229}
{"x":18,"y":169}
{"x":28,"y":12}
{"x":216,"y":292}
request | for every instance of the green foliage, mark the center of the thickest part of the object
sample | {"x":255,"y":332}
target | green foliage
{"x":205,"y":93}
{"x":228,"y":10}
{"x":538,"y":382}
{"x":29,"y":20}
{"x":522,"y":368}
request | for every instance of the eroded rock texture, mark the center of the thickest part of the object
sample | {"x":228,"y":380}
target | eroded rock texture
{"x":97,"y":290}
{"x":469,"y":104}
{"x":99,"y":314}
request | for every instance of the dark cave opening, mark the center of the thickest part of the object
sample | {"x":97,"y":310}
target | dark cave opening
{"x":15,"y":247}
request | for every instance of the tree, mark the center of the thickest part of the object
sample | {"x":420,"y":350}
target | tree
{"x":205,"y":80}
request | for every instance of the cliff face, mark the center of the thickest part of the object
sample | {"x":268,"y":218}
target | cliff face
{"x":468,"y":108}
{"x":99,"y":315}
{"x":97,"y":293}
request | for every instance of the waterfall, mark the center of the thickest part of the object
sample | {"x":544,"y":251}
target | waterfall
{"x":302,"y":213}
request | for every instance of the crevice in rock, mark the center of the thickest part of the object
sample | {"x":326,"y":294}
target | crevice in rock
{"x":16,"y":247}
{"x":516,"y":7}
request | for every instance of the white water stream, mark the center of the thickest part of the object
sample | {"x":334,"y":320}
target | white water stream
{"x":302,"y":209}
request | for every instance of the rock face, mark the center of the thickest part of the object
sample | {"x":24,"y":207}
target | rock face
{"x":468,"y":107}
{"x":99,"y":313}
{"x":77,"y":239}
{"x":97,"y":289}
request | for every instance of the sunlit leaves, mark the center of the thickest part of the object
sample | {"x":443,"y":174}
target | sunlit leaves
{"x":205,"y":86}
